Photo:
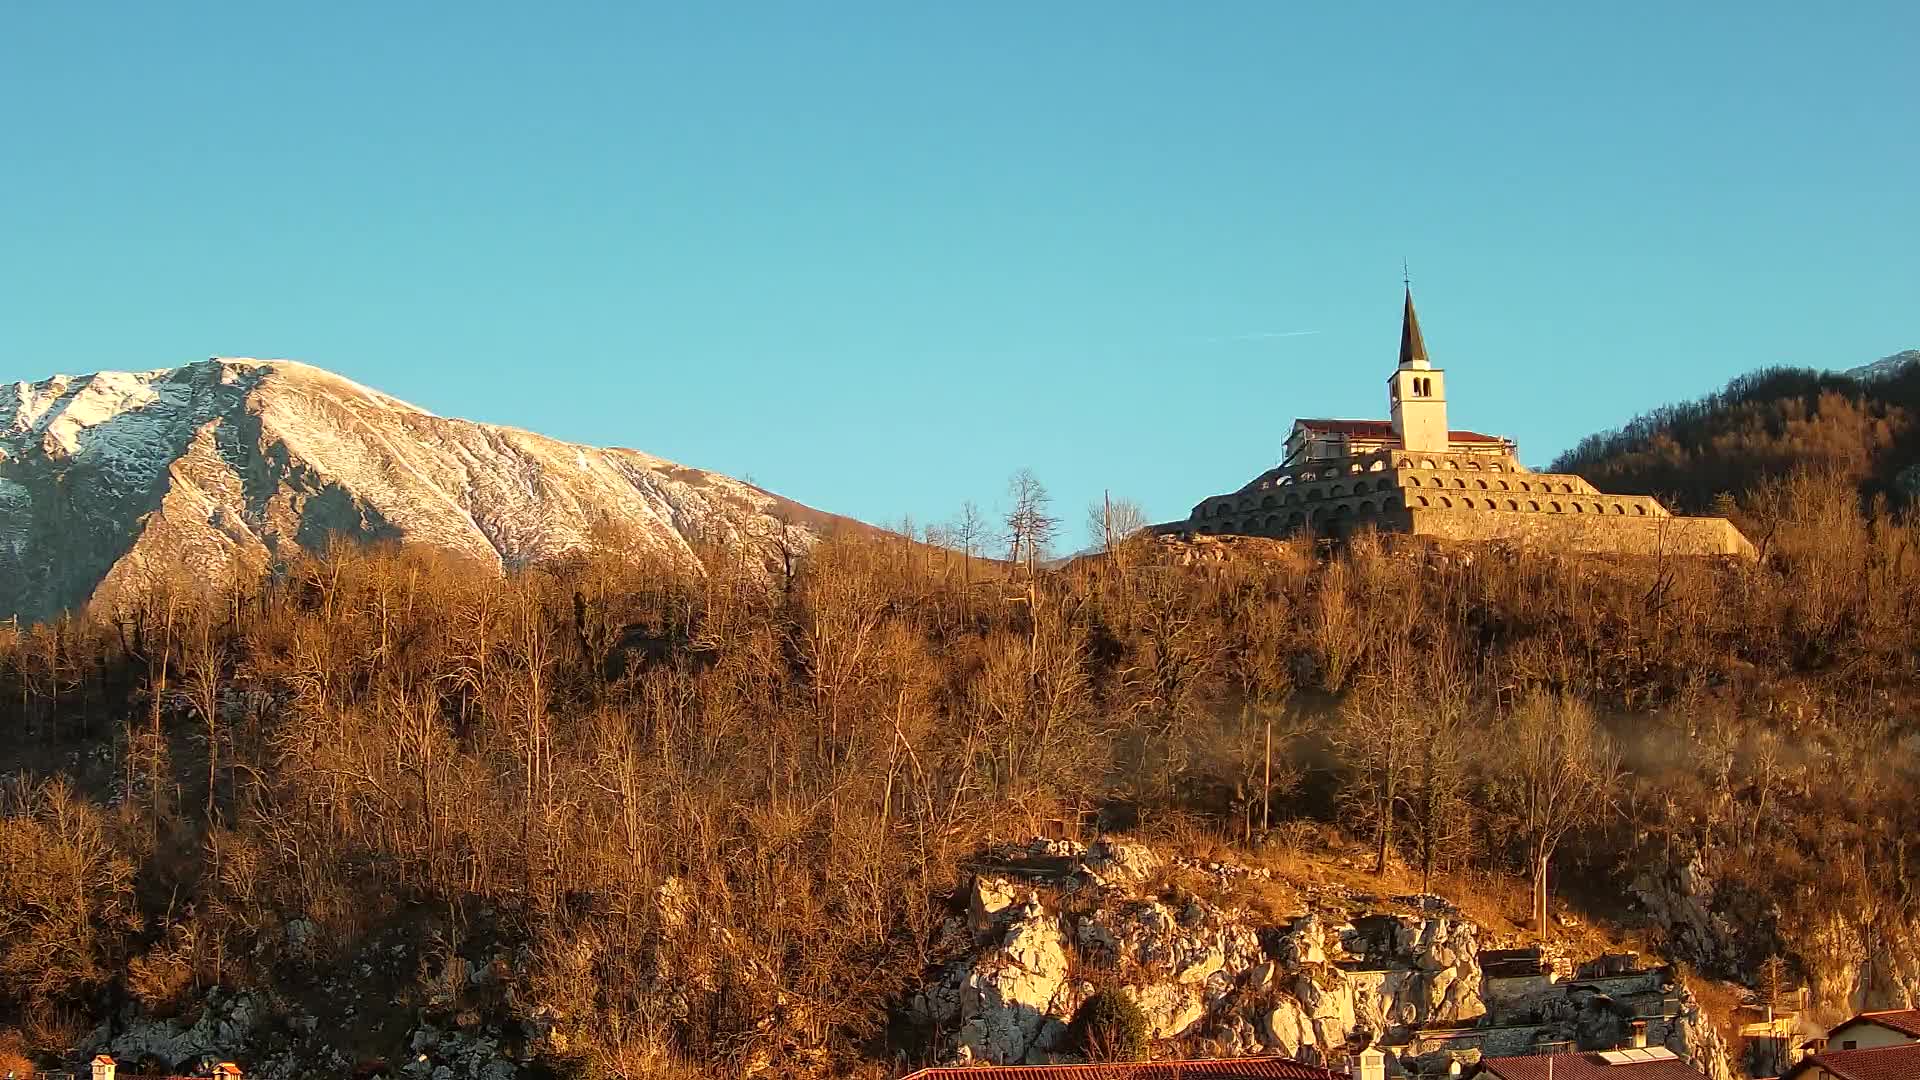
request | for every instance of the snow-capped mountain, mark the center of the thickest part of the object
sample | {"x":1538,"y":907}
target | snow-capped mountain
{"x":212,"y":469}
{"x":1885,"y":366}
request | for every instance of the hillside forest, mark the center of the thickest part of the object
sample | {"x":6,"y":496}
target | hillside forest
{"x":804,"y":750}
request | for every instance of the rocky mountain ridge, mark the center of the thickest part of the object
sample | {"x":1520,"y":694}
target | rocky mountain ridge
{"x":1886,"y":366}
{"x":217,"y":468}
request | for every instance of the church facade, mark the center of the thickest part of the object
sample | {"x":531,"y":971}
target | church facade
{"x":1412,"y":473}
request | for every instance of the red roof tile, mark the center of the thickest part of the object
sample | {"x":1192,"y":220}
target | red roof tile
{"x":1269,"y":1068}
{"x":1589,"y":1066}
{"x":1904,"y":1021}
{"x":1383,"y":429}
{"x":1879,"y":1063}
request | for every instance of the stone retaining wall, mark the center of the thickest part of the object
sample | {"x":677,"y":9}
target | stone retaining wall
{"x":1457,"y":497}
{"x":1584,"y":533}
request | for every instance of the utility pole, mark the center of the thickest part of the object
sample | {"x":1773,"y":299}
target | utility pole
{"x":1266,"y":782}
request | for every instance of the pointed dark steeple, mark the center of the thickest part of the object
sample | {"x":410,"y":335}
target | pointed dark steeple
{"x":1413,"y":351}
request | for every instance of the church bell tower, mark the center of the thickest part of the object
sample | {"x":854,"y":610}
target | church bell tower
{"x":1418,"y":391}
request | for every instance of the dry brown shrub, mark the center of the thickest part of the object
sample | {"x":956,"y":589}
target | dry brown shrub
{"x":162,"y":977}
{"x":58,"y":937}
{"x":13,"y":1054}
{"x":814,"y":758}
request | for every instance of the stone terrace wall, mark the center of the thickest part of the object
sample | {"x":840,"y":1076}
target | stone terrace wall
{"x":1467,"y":497}
{"x":1585,"y":532}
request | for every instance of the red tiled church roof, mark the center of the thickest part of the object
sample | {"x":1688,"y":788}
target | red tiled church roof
{"x":1383,"y":429}
{"x":1268,"y":1068}
{"x":1880,"y":1063}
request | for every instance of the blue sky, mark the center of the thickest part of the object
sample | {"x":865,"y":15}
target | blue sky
{"x":877,"y":256}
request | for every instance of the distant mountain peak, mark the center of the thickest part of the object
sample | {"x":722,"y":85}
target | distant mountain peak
{"x":244,"y":366}
{"x":1886,"y":366}
{"x":217,"y":468}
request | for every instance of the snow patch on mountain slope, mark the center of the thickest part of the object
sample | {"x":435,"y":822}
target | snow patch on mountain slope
{"x":16,"y":504}
{"x":213,"y":467}
{"x":305,"y":378}
{"x":23,"y":404}
{"x":1885,"y":367}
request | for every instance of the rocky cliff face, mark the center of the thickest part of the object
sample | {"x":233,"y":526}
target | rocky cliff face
{"x":218,"y":468}
{"x":1855,"y":956}
{"x":1035,"y":945}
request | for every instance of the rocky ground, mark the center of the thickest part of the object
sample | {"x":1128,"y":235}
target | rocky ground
{"x":309,"y":1026}
{"x":1052,"y":925}
{"x":1222,"y":959}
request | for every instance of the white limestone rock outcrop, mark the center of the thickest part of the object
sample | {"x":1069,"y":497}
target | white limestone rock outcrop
{"x":1119,"y":864}
{"x":224,"y":1024}
{"x":1855,"y":958}
{"x":1693,"y":1037}
{"x":1681,"y":900}
{"x":1198,"y":970}
{"x":1047,"y":926}
{"x":1008,"y":1002}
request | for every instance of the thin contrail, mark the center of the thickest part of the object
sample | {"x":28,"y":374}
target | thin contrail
{"x":1262,"y":335}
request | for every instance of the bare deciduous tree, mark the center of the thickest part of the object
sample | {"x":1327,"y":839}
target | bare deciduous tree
{"x":1561,"y":772}
{"x":1440,"y":814}
{"x":969,"y":531}
{"x":1378,"y":732}
{"x":203,"y":660}
{"x":1031,"y":526}
{"x":1111,"y":522}
{"x":754,"y":783}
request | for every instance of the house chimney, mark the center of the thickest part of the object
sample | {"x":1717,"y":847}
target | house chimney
{"x":1638,"y":1038}
{"x":102,"y":1068}
{"x":1368,"y":1064}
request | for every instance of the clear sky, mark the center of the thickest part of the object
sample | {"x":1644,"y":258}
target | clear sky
{"x":877,"y":256}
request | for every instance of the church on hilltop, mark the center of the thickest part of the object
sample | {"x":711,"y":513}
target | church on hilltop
{"x":1412,"y":473}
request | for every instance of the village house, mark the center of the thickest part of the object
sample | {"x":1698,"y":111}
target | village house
{"x":1266,"y":1068}
{"x":1870,"y":1030}
{"x":1624,"y":1004}
{"x":1896,"y":1062}
{"x":1881,"y":1045}
{"x":103,"y":1067}
{"x":1633,"y":1063}
{"x":1412,"y":473}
